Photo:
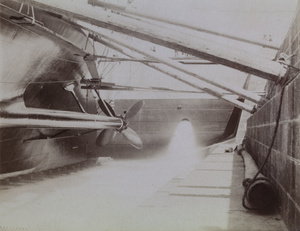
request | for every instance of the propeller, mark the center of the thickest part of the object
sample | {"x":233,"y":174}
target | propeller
{"x":107,"y":135}
{"x":130,"y":135}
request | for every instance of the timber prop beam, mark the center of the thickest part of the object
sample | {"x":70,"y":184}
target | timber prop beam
{"x":190,"y":75}
{"x":210,"y":89}
{"x":162,"y":35}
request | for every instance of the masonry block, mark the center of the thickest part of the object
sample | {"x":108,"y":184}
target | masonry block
{"x":291,"y":216}
{"x":296,"y":189}
{"x":296,"y":96}
{"x":296,"y":139}
{"x":279,"y":138}
{"x":250,"y":121}
{"x":264,"y":118}
{"x":295,"y":42}
{"x":285,"y":205}
{"x":297,"y":56}
{"x":283,"y":171}
{"x":285,"y":134}
{"x":249,"y":132}
{"x":274,"y":108}
{"x":291,"y":178}
{"x":297,"y":21}
{"x":296,"y":225}
{"x":297,"y":64}
{"x":270,"y":135}
{"x":287,"y":108}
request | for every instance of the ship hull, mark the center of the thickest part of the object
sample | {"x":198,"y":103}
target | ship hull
{"x":36,"y":67}
{"x":209,"y":121}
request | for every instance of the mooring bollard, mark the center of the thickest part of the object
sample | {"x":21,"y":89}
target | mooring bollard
{"x":260,"y":192}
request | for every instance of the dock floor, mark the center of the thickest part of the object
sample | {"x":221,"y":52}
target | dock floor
{"x":136,"y":195}
{"x":209,"y":198}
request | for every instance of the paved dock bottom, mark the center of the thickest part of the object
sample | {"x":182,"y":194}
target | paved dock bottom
{"x":195,"y":193}
{"x":207,"y":198}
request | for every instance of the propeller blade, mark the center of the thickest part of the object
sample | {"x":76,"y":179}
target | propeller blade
{"x":106,"y":108}
{"x":133,"y":138}
{"x":105,"y":137}
{"x":134,"y":109}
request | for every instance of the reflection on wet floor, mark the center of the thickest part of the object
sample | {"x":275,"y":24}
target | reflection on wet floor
{"x":165,"y":192}
{"x":97,"y":195}
{"x":34,"y":177}
{"x":177,"y":188}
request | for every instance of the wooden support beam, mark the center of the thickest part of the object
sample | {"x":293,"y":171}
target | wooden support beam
{"x":162,"y":35}
{"x":207,"y":88}
{"x":183,"y":69}
{"x":130,"y":11}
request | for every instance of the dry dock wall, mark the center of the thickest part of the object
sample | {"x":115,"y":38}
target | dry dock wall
{"x":283,"y":166}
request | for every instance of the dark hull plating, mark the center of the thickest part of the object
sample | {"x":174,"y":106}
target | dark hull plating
{"x":36,"y":68}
